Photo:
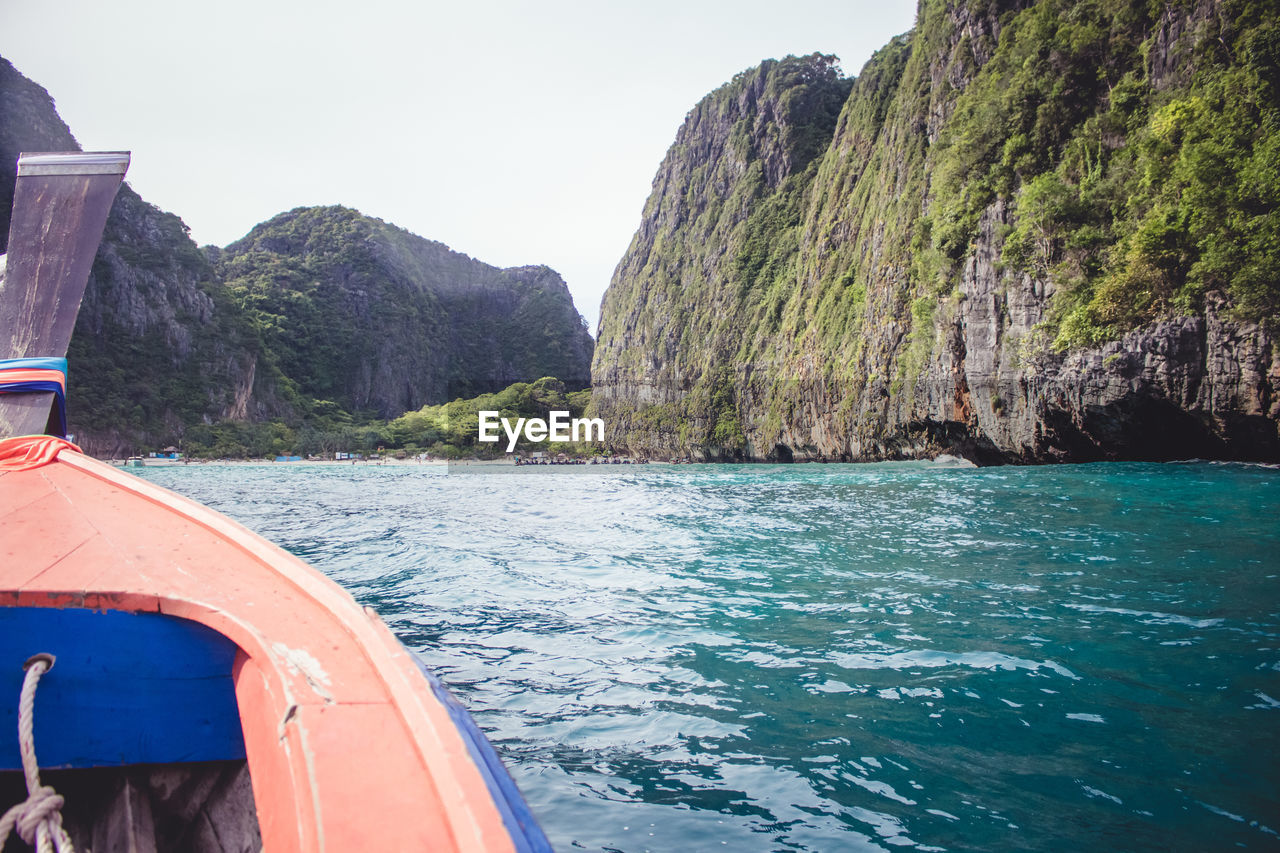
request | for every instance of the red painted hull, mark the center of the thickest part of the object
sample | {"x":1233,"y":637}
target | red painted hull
{"x":348,"y":746}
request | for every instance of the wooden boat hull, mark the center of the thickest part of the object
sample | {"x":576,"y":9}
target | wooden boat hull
{"x":349,"y":744}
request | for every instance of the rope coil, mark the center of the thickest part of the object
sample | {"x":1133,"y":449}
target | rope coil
{"x":37,"y":820}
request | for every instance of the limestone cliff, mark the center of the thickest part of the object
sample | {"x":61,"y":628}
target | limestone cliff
{"x":157,"y":346}
{"x":373,"y":318}
{"x":1033,"y":231}
{"x":314,"y":312}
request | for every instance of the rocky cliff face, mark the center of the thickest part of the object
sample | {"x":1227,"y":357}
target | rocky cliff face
{"x":157,"y":345}
{"x":315,"y":308}
{"x":1002,"y":245}
{"x":373,"y":318}
{"x":28,"y":121}
{"x":717,"y":230}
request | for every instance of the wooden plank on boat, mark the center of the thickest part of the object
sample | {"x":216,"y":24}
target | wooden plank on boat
{"x":60,"y":207}
{"x":206,"y":807}
{"x":127,"y":825}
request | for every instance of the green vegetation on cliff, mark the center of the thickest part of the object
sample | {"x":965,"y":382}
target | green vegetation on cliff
{"x":373,"y":318}
{"x":1010,"y":184}
{"x":317,"y":321}
{"x":159,"y":344}
{"x":447,"y":430}
{"x":1139,"y":180}
{"x":716,"y":255}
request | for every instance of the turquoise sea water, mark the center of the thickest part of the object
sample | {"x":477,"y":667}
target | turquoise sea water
{"x":830,"y":657}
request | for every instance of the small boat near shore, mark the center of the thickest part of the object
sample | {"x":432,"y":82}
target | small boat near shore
{"x":189,"y":685}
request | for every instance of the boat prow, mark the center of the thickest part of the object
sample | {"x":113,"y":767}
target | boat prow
{"x":349,"y":745}
{"x":198,"y":687}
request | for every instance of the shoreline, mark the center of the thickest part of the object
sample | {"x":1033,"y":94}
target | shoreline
{"x":942,"y":461}
{"x":507,"y":462}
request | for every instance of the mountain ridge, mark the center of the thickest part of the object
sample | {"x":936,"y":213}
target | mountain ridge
{"x":168,"y":345}
{"x":373,"y":317}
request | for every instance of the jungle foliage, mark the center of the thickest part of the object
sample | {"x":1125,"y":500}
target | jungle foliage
{"x":1120,"y":155}
{"x":1141,"y":172}
{"x":443,"y":431}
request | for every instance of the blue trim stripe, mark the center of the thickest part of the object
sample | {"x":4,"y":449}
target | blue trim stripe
{"x":521,"y":825}
{"x":58,"y":389}
{"x":35,"y":363}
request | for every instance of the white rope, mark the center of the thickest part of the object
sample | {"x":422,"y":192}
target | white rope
{"x":37,"y":820}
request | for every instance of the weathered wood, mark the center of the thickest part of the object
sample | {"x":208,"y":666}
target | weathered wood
{"x":127,"y":825}
{"x":60,"y":207}
{"x":182,"y":789}
{"x":205,"y":807}
{"x":230,"y":818}
{"x":25,"y":414}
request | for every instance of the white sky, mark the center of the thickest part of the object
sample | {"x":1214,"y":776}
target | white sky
{"x":515,"y":132}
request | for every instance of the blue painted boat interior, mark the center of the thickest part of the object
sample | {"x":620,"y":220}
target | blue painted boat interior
{"x":127,"y":688}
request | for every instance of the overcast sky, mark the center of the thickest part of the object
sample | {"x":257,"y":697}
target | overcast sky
{"x":515,"y":132}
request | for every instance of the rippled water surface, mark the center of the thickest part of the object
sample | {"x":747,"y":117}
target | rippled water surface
{"x":830,"y":658}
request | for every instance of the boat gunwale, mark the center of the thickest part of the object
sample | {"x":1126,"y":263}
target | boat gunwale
{"x":472,"y":816}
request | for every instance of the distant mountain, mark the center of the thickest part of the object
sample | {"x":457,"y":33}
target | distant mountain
{"x":1029,"y":230}
{"x":373,"y":318}
{"x":317,"y":308}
